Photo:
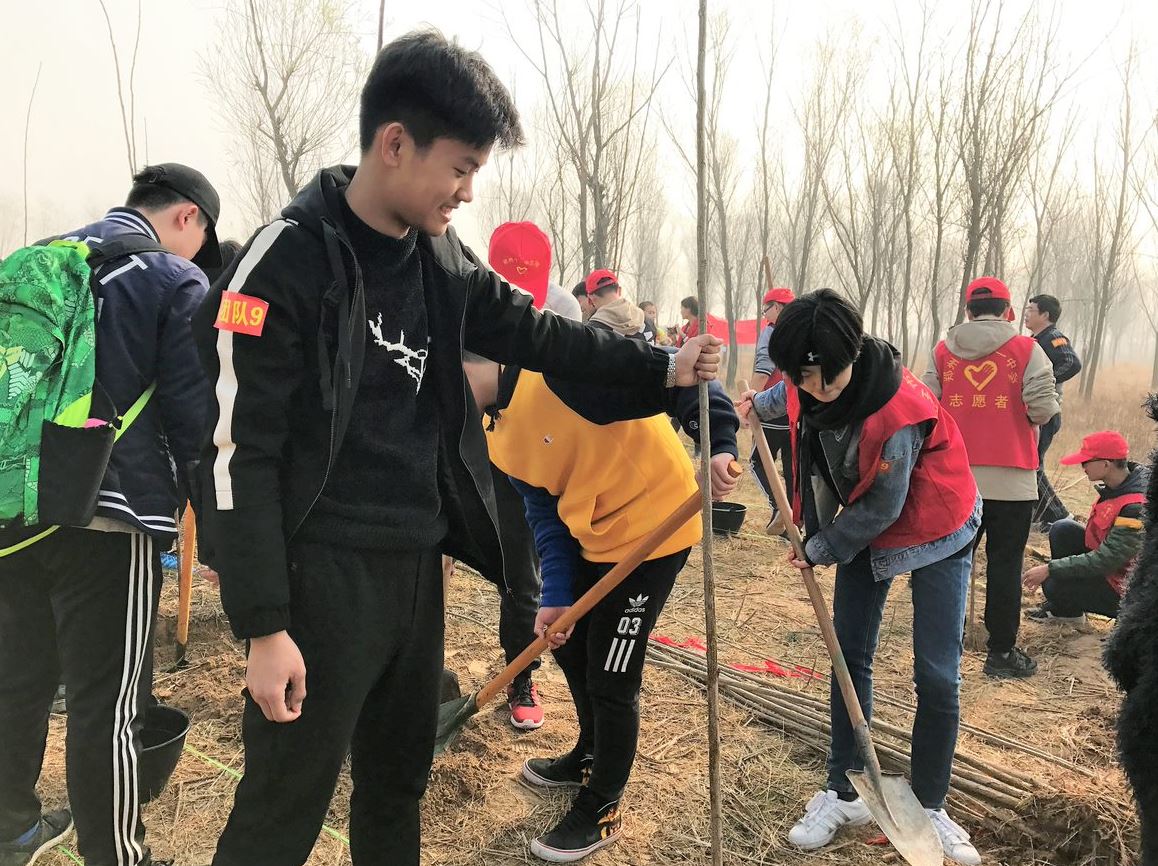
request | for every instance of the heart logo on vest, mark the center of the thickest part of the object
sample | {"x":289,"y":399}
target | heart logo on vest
{"x":980,"y":375}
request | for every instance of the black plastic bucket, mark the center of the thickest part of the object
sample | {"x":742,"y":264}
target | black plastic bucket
{"x":162,"y":739}
{"x":728,"y":517}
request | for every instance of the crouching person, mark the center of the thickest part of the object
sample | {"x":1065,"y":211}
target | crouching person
{"x":599,"y":469}
{"x":1088,"y":564}
{"x":869,"y":437}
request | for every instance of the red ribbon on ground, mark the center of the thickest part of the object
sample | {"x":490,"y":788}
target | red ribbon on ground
{"x":769,"y":666}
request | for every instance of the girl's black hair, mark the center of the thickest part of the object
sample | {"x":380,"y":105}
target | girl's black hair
{"x":818,"y":328}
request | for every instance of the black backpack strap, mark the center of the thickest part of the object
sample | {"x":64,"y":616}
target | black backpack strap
{"x":118,"y":248}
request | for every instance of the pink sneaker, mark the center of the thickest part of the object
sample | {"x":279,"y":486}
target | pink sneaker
{"x":523,"y":699}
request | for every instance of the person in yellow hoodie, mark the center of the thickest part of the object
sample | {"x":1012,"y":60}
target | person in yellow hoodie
{"x":599,"y":468}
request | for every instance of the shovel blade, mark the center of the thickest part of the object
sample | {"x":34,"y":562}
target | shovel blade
{"x":452,"y":715}
{"x":901,"y":817}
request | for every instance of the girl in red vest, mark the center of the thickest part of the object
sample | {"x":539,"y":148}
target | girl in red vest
{"x":872,"y":441}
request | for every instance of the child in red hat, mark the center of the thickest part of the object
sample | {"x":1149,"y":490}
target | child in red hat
{"x":1088,"y":564}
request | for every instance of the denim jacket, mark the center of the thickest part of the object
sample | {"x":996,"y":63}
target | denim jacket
{"x":837,"y":530}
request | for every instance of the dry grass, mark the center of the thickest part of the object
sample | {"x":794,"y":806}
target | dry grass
{"x":478,"y":813}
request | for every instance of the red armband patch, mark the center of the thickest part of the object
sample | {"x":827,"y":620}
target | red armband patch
{"x":241,"y":314}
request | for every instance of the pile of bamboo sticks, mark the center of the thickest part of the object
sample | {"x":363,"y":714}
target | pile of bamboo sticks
{"x":978,"y":785}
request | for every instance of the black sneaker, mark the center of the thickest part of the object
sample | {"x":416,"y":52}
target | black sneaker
{"x":1015,"y":664}
{"x":54,"y":828}
{"x":589,"y":826}
{"x":569,"y":771}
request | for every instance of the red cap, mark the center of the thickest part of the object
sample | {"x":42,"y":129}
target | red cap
{"x":779,"y":296}
{"x":521,"y":254}
{"x":986,"y":288}
{"x":1104,"y":445}
{"x":600,"y":279}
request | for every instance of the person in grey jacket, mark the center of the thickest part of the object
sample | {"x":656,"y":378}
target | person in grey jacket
{"x":998,"y":386}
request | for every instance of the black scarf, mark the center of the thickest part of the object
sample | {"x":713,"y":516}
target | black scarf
{"x":876,"y":377}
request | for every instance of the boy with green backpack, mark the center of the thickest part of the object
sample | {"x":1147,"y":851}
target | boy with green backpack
{"x":102,"y":402}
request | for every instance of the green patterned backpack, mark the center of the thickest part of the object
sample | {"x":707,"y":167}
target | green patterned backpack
{"x":57,"y":428}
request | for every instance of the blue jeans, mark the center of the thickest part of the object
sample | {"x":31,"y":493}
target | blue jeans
{"x":939,"y":592}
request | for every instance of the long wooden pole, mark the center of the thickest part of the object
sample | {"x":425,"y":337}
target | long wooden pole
{"x":186,"y":551}
{"x":712,"y":655}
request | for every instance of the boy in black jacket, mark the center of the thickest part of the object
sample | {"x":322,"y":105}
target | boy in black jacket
{"x":346,"y":452}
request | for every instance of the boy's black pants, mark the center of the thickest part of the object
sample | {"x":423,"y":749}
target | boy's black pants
{"x":369,"y":626}
{"x":603,"y":663}
{"x":519,"y":602}
{"x":1071,"y":597}
{"x":79,"y":607}
{"x":1005,"y":526}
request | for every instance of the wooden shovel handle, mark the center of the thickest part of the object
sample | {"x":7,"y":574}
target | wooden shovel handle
{"x":689,"y":509}
{"x":819,"y":605}
{"x":185,"y":574}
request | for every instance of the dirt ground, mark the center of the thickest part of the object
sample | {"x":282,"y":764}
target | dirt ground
{"x":478,"y":812}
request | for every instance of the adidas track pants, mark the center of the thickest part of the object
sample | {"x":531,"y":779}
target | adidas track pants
{"x":603,"y":663}
{"x":79,"y":607}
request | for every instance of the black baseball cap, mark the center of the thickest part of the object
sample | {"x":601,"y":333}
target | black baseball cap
{"x":193,"y":185}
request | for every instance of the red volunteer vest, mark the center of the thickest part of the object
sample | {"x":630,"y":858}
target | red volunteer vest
{"x":1101,"y":521}
{"x":941,"y":489}
{"x":687,"y":331}
{"x":984,"y":397}
{"x":776,"y":378}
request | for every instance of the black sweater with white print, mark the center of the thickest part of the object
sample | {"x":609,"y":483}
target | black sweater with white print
{"x":382,"y":492}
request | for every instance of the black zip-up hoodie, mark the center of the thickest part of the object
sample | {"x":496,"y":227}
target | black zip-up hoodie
{"x":280,"y":402}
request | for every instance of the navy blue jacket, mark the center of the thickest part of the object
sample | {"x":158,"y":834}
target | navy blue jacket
{"x":143,"y":336}
{"x":1059,"y":350}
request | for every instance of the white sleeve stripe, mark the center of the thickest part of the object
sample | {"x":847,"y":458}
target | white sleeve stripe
{"x":226,"y":388}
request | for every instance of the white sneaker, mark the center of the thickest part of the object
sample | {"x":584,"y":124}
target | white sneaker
{"x":954,"y":839}
{"x":823,"y":816}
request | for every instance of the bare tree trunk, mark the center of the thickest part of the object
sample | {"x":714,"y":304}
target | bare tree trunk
{"x":127,"y":106}
{"x":287,"y":79}
{"x":599,"y":112}
{"x":381,"y":22}
{"x":1154,"y":366}
{"x":712,"y":681}
{"x":1011,"y":84}
{"x":27,"y":126}
{"x":1115,"y":248}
